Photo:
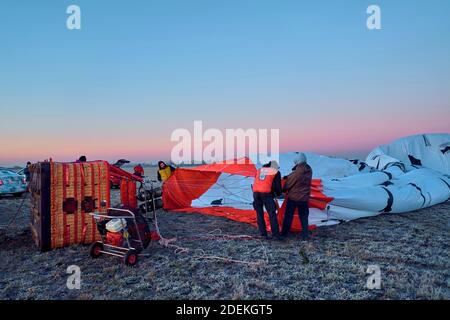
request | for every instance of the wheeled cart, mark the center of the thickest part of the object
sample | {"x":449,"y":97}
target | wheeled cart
{"x":128,"y":241}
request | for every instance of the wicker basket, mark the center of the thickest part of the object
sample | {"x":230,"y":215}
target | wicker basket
{"x":62,"y":196}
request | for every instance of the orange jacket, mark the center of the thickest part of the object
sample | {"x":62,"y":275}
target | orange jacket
{"x":263,"y":180}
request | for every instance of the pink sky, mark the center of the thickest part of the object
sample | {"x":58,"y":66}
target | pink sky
{"x":340,"y":141}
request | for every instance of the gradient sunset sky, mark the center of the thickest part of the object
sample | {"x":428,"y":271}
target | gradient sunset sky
{"x":137,"y":70}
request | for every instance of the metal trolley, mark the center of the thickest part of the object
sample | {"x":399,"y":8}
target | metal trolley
{"x":133,"y":240}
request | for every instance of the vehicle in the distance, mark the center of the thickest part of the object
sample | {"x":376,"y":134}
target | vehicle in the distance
{"x":12,"y":183}
{"x":21,"y":172}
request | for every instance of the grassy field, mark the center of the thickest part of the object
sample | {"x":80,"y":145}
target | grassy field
{"x":411,"y":249}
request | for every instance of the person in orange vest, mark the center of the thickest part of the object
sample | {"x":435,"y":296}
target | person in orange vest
{"x":164,"y":171}
{"x":266,"y":188}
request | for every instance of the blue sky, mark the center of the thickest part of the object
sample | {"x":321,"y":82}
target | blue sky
{"x":144,"y":68}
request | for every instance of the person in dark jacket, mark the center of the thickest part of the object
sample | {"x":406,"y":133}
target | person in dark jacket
{"x":164,"y":171}
{"x":298,"y":190}
{"x":26,"y":172}
{"x":266,"y":188}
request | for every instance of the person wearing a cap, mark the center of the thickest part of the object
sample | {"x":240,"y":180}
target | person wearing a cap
{"x":138,"y":170}
{"x":266,"y":188}
{"x":298,"y":189}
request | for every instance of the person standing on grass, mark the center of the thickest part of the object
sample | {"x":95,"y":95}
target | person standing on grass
{"x":26,"y":172}
{"x":164,"y":171}
{"x":266,"y":188}
{"x":298,"y":190}
{"x":138,"y":170}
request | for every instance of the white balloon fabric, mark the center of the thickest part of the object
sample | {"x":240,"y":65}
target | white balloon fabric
{"x":406,"y":175}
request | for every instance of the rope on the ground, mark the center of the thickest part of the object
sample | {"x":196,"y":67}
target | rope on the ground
{"x":14,"y":217}
{"x":170,"y":243}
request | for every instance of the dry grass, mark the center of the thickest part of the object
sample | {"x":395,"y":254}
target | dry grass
{"x":411,"y":249}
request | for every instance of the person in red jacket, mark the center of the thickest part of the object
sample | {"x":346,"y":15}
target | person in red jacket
{"x":138,"y":171}
{"x":266,"y":187}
